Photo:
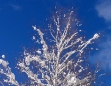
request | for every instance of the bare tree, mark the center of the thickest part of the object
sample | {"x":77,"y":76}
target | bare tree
{"x":60,"y":62}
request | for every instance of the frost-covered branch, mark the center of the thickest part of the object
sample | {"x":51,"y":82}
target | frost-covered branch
{"x":58,"y":62}
{"x":55,"y":61}
{"x":7,"y":72}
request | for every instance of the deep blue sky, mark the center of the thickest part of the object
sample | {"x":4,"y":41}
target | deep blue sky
{"x":18,"y":16}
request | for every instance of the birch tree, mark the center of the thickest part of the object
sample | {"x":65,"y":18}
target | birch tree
{"x":59,"y":61}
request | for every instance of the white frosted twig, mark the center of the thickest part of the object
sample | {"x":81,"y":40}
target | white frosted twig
{"x":29,"y":73}
{"x":55,"y":62}
{"x":7,"y":72}
{"x":84,"y":45}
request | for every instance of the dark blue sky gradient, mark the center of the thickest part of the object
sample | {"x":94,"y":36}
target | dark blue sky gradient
{"x":18,"y":16}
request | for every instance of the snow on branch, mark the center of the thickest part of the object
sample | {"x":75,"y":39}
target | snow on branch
{"x":58,"y":65}
{"x":55,"y":62}
{"x":7,"y":72}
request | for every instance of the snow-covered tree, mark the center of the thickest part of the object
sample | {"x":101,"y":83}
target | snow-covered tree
{"x":59,"y":60}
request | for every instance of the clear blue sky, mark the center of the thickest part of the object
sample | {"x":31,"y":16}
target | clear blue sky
{"x":18,"y":16}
